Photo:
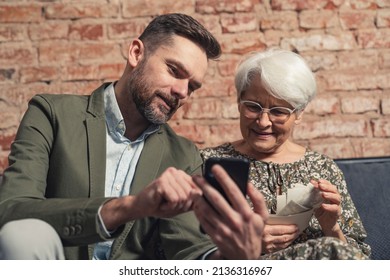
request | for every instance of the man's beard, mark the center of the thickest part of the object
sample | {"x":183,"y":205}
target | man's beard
{"x":139,"y":90}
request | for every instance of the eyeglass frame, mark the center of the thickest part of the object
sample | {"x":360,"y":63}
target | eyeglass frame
{"x":268,"y":110}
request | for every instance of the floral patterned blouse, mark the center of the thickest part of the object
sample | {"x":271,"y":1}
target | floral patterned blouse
{"x":268,"y":177}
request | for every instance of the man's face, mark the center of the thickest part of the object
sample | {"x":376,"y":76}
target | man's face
{"x":164,"y":80}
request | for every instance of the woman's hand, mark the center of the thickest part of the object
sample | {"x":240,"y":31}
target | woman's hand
{"x":278,"y":237}
{"x":329,"y":211}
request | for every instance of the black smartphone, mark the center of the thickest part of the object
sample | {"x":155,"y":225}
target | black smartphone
{"x":237,"y":168}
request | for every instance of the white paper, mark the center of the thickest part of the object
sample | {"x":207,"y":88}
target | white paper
{"x":296,"y":206}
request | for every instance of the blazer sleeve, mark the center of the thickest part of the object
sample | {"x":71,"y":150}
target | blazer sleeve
{"x":24,"y":190}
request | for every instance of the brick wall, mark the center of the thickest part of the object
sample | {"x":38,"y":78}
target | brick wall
{"x":72,"y":46}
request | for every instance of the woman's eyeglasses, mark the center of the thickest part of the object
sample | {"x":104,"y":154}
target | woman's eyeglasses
{"x":252,"y":110}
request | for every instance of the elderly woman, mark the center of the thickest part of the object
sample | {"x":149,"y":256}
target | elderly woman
{"x":273,"y":90}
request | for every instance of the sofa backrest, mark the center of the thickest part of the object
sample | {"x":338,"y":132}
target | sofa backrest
{"x":368,"y":181}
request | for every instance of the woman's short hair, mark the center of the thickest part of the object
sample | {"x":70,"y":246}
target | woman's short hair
{"x":284,"y":74}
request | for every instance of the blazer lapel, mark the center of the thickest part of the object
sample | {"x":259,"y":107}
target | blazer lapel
{"x":149,"y":163}
{"x":96,"y":135}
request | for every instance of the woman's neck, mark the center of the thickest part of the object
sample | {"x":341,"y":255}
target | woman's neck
{"x":289,"y":152}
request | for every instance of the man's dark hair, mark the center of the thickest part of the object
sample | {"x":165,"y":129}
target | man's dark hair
{"x":161,"y":29}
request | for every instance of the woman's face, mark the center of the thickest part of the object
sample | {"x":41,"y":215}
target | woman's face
{"x":261,"y":135}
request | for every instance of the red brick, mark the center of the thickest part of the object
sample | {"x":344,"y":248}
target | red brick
{"x":136,"y":8}
{"x":362,"y":4}
{"x":334,"y":148}
{"x":86,"y":32}
{"x":381,"y":127}
{"x":203,"y":109}
{"x":385,"y":105}
{"x":316,"y":19}
{"x":274,"y":37}
{"x":37,"y":74}
{"x":230,"y":109}
{"x":310,"y":42}
{"x":358,"y":59}
{"x":7,"y":75}
{"x":383,"y":3}
{"x":65,"y":52}
{"x":48,"y":30}
{"x":196,"y":133}
{"x":383,"y":18}
{"x":80,"y":10}
{"x":127,"y":29}
{"x":222,"y":133}
{"x":321,"y":60}
{"x":216,"y":87}
{"x":20,"y":13}
{"x":92,"y":72}
{"x":348,"y":80}
{"x":17,"y":54}
{"x":242,"y":43}
{"x":13,"y":32}
{"x":224,"y":6}
{"x":374,"y":38}
{"x":285,"y":20}
{"x":228,"y":64}
{"x":357,"y":19}
{"x":359,"y":104}
{"x":331,"y":127}
{"x":239,"y":23}
{"x":298,"y":4}
{"x":384,"y":59}
{"x":110,"y":71}
{"x":322,"y":105}
{"x":9,"y":118}
{"x":374,"y":147}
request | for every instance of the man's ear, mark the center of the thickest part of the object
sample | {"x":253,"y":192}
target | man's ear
{"x":299,"y":117}
{"x":136,"y":52}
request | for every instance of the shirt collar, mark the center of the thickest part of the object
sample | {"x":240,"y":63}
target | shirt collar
{"x":114,"y":118}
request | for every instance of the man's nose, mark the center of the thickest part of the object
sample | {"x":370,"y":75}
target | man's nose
{"x":180,"y":88}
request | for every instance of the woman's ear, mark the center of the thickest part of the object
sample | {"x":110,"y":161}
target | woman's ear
{"x":299,"y":117}
{"x":136,"y":52}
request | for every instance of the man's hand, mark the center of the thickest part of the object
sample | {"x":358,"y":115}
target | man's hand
{"x":171,"y":194}
{"x":236,"y":229}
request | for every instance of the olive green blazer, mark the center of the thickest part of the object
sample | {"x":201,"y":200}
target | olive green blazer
{"x":57,"y":173}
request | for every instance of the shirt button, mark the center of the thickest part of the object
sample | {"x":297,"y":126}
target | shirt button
{"x":117,"y":187}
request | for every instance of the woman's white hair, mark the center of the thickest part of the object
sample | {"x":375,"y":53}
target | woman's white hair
{"x":284,"y":74}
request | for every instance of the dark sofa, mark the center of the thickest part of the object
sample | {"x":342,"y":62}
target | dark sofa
{"x":368,"y":181}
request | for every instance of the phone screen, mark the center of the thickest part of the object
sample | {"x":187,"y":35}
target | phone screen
{"x":237,"y":168}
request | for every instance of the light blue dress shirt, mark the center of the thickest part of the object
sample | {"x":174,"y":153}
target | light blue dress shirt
{"x":121,"y":160}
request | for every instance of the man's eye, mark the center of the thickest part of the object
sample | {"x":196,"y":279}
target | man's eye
{"x":173,"y":70}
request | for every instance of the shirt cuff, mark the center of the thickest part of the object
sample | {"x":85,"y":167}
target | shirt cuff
{"x":205,"y":255}
{"x":103,"y":230}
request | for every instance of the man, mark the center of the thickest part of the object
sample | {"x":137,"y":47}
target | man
{"x":103,"y":176}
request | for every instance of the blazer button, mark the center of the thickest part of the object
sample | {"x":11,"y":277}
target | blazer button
{"x":66,"y":231}
{"x":79,"y":229}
